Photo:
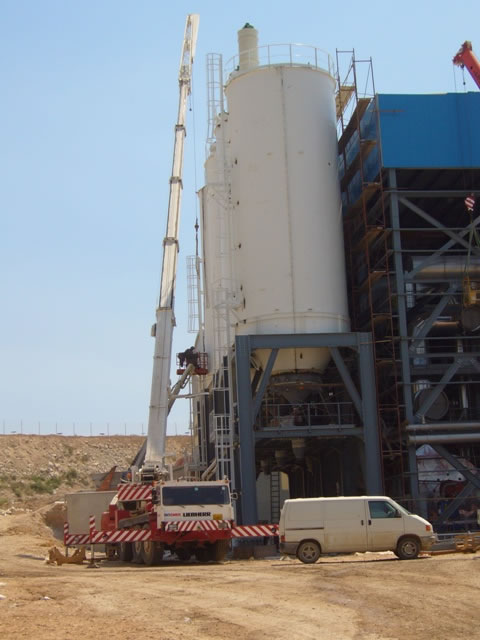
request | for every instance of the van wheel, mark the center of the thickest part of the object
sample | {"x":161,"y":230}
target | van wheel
{"x":308,"y":552}
{"x":408,"y":549}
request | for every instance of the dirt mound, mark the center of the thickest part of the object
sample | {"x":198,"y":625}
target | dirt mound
{"x":37,"y":470}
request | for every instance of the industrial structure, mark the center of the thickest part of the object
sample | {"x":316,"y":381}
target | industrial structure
{"x":336,"y":286}
{"x":410,"y":172}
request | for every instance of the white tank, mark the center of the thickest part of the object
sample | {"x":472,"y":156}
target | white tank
{"x":289,"y":254}
{"x":287,"y":265}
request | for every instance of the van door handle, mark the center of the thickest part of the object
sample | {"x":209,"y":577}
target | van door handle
{"x":369,"y":522}
{"x":361,"y":522}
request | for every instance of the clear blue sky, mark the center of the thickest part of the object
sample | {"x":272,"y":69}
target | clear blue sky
{"x":89,"y":102}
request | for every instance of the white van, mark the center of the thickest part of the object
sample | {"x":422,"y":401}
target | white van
{"x":312,"y":526}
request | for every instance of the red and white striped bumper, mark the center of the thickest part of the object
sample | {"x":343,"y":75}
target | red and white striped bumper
{"x":119,"y":535}
{"x":134,"y":535}
{"x":196,"y":525}
{"x":255,"y":530}
{"x":74,"y":538}
{"x":103,"y":537}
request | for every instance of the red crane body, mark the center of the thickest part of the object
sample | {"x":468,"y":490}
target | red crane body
{"x":466,"y":58}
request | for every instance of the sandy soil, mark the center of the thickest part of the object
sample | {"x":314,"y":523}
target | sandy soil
{"x":364,"y":596}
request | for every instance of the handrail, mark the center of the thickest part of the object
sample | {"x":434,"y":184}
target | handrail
{"x":292,"y":54}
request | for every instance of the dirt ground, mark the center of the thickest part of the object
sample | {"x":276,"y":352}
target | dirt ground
{"x":363,"y":596}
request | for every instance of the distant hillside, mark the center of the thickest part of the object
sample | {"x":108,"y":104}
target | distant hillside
{"x":36,"y":470}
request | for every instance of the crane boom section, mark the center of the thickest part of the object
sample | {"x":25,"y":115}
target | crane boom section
{"x":157,"y":421}
{"x":466,"y":58}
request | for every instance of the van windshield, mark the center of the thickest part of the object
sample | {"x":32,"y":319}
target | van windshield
{"x":402,"y":509}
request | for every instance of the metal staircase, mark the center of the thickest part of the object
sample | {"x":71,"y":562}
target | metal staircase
{"x":275,"y":486}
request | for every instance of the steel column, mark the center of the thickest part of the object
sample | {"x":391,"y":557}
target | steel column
{"x":263,"y":383}
{"x":345,"y":374}
{"x":373,"y":469}
{"x":248,"y":486}
{"x":403,"y":326}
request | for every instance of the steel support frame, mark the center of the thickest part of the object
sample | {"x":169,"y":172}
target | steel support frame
{"x":248,"y":404}
{"x":455,"y":462}
{"x":407,"y":343}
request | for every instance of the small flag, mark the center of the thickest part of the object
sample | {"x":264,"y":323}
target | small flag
{"x":470,"y":202}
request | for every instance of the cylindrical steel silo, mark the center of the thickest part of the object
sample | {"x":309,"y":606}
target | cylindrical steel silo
{"x":288,"y":253}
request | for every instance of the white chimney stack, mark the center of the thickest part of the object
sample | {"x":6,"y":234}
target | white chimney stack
{"x":248,"y":47}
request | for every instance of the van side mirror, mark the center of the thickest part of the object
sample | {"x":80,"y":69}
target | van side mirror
{"x":398,"y":514}
{"x":234,"y":495}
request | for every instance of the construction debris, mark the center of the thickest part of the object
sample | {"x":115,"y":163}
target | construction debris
{"x":56,"y":556}
{"x":467,"y":542}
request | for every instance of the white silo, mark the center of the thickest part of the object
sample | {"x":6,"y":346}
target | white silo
{"x":288,"y":255}
{"x":272,"y":236}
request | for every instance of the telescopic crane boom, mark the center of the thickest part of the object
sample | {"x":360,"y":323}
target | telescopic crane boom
{"x":165,"y":318}
{"x":466,"y":58}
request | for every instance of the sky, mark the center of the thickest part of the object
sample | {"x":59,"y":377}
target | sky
{"x":89,"y":104}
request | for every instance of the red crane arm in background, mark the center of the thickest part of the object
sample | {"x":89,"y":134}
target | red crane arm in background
{"x":466,"y":58}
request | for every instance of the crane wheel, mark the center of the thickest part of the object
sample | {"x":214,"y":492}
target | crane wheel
{"x":137,"y":551}
{"x":125,"y":551}
{"x":201,"y":554}
{"x":183,"y":554}
{"x":152,"y":552}
{"x":111,"y":551}
{"x":219,"y":550}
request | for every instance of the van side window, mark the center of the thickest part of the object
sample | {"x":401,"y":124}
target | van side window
{"x":382,"y":509}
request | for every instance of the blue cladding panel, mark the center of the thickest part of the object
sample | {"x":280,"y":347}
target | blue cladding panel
{"x":430,"y":131}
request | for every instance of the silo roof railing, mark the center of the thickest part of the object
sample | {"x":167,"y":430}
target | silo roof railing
{"x":294,"y":55}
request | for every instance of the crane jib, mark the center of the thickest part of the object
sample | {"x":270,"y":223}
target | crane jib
{"x":159,"y":399}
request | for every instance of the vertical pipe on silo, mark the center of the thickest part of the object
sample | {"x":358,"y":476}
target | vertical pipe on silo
{"x":247,"y":47}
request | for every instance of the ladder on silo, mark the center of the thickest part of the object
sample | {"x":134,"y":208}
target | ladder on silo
{"x":193,"y":294}
{"x":199,"y":454}
{"x":222,"y":412}
{"x":275,"y":486}
{"x":215,"y":93}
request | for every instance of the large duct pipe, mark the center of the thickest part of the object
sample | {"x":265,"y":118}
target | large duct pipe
{"x":444,"y":438}
{"x":247,"y":47}
{"x":450,"y":268}
{"x":423,"y":390}
{"x":444,"y":426}
{"x":443,"y":326}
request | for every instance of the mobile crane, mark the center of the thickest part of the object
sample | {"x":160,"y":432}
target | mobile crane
{"x":150,"y":513}
{"x":466,"y":58}
{"x":165,"y":318}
